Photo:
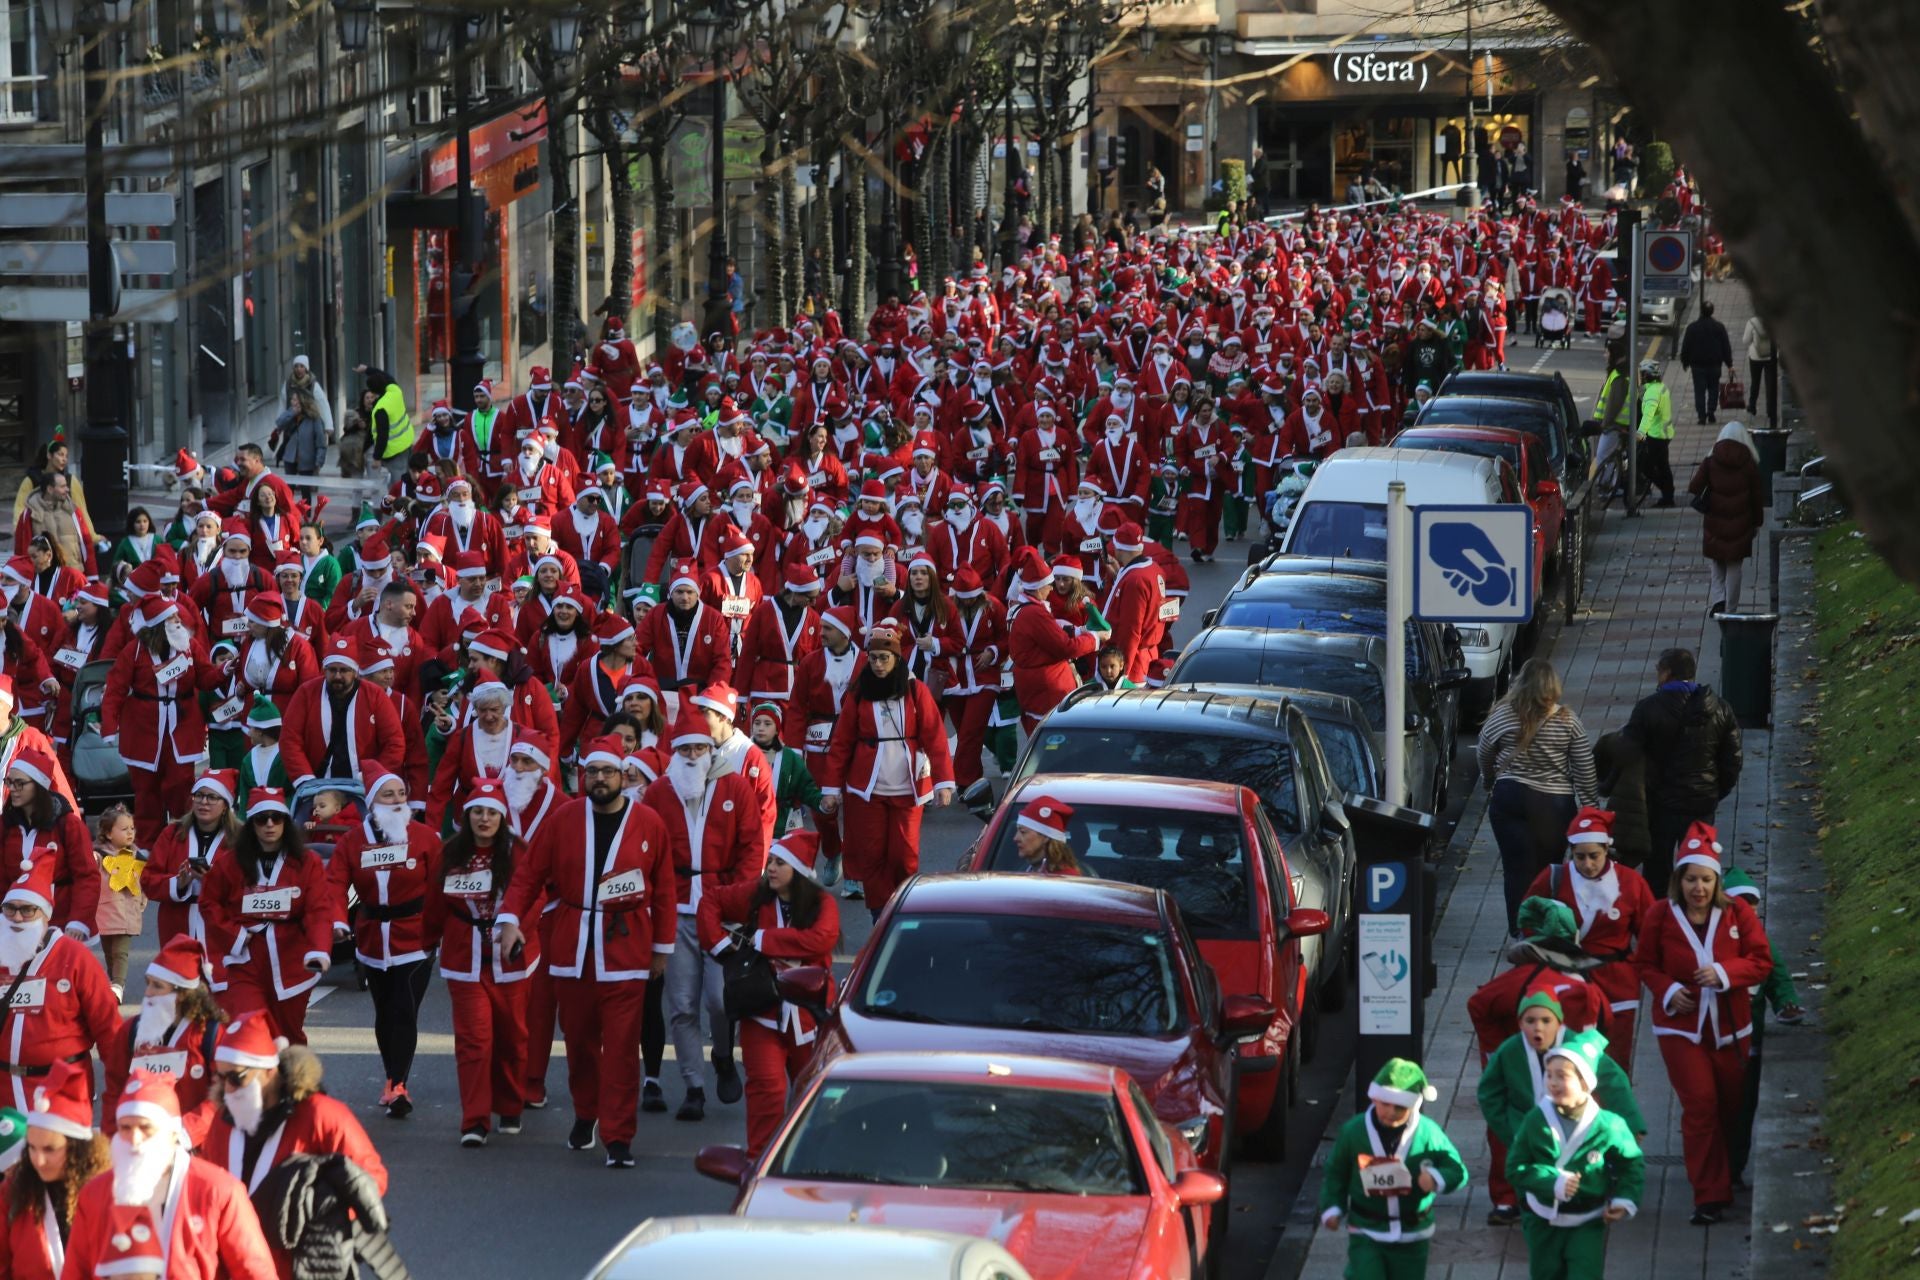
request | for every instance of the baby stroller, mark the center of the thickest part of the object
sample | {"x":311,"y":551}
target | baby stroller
{"x":100,"y":774}
{"x":322,"y":835}
{"x":1556,"y":319}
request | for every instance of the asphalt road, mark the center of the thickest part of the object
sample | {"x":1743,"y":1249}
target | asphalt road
{"x":526,"y":1206}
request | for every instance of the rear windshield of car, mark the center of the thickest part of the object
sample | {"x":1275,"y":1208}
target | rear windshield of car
{"x":1323,"y":673}
{"x":1455,"y":444}
{"x":1355,"y":530}
{"x":1262,"y":765}
{"x":1346,"y":755}
{"x":1365,"y":619}
{"x":1536,"y":416}
{"x":963,"y":1137}
{"x":1198,"y":858}
{"x":1024,"y":973}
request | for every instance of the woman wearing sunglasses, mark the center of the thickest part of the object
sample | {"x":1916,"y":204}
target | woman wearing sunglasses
{"x":270,"y":911}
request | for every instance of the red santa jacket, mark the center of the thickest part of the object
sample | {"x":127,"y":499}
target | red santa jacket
{"x":62,"y":1009}
{"x":1043,"y":655}
{"x":307,"y":730}
{"x":980,"y":654}
{"x":982,"y":548}
{"x":1202,"y":450}
{"x":30,"y":1247}
{"x":76,"y":876}
{"x":598,"y":543}
{"x":180,"y":908}
{"x":183,"y":1054}
{"x":778,"y":939}
{"x":224,"y":606}
{"x":820,"y":683}
{"x":460,"y":908}
{"x":460,"y":762}
{"x":391,"y":878}
{"x":273,"y":925}
{"x":1133,"y":608}
{"x":734,"y":597}
{"x":1669,"y":953}
{"x":1494,"y":1008}
{"x":853,"y":752}
{"x":149,"y":713}
{"x":592,"y":696}
{"x":721,"y":843}
{"x":771,"y":650}
{"x":611,"y":916}
{"x":702,"y":654}
{"x":1619,"y":907}
{"x":1125,"y":472}
{"x":446,"y":616}
{"x":212,"y":1231}
{"x":483,"y":534}
{"x":1046,"y":468}
{"x":296,"y":665}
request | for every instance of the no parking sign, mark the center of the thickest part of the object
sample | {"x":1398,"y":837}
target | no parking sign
{"x":1666,"y":263}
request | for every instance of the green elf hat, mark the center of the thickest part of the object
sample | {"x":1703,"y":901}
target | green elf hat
{"x":1738,"y":884}
{"x":650,"y":592}
{"x":13,"y":1137}
{"x":368,"y":517}
{"x":1549,"y":919}
{"x":1583,"y":1050}
{"x":1401,"y":1083}
{"x":600,"y":462}
{"x":678,"y":400}
{"x":766,"y":709}
{"x":263,"y":714}
{"x":1541,"y":997}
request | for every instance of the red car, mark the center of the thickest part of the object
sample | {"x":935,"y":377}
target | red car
{"x":1526,"y":453}
{"x":1057,"y":967}
{"x":1062,"y":1164}
{"x":1193,"y":839}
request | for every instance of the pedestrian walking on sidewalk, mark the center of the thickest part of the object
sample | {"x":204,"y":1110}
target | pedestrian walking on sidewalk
{"x":1387,"y":1166}
{"x":1656,"y":434}
{"x":1699,"y":959}
{"x":1705,"y":349}
{"x":1763,"y":361}
{"x":1689,"y":741}
{"x":1537,"y":765}
{"x":1727,"y":491}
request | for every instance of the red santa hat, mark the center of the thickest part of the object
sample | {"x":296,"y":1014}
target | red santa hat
{"x":872,"y":540}
{"x":219,"y":782}
{"x":690,"y":728}
{"x":608,"y":751}
{"x":63,"y":1101}
{"x":965,"y":584}
{"x":610,"y":629}
{"x":374,"y":775}
{"x":732,"y":543}
{"x":721,"y":699}
{"x":542,"y":379}
{"x":34,"y":887}
{"x":267,"y":800}
{"x":150,"y":1097}
{"x":342,"y":652}
{"x":268,"y":608}
{"x":493,"y":643}
{"x":1700,"y":847}
{"x":154,"y":610}
{"x":685,"y":570}
{"x":235,"y":529}
{"x":1591,"y":826}
{"x":375,"y":655}
{"x":535,"y":746}
{"x":1047,"y":816}
{"x":467,"y":564}
{"x":843,"y":618}
{"x":249,"y":1042}
{"x":1030,"y":571}
{"x":180,"y":963}
{"x":1129,"y":537}
{"x":691,"y":492}
{"x":925,"y":443}
{"x":801,"y":578}
{"x":1068,"y":567}
{"x":486,"y":793}
{"x":799,"y":850}
{"x":185,"y":465}
{"x":36,"y":764}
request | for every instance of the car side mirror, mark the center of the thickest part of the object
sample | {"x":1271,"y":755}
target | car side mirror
{"x":1244,"y":1017}
{"x":1308,"y":922}
{"x":1455,"y":677}
{"x":1414,"y":722}
{"x":1207,"y":618}
{"x":1547,"y":488}
{"x":1333,"y":817}
{"x":1198,"y":1187}
{"x":807,"y":986}
{"x":730,"y":1165}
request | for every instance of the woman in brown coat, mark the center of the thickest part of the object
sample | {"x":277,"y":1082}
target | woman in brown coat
{"x":1735,"y":510}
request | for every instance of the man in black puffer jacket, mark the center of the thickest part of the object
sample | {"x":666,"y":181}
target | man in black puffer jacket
{"x":1690,"y":741}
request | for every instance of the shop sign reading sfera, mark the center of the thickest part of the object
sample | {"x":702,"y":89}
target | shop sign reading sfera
{"x":1372,"y":68}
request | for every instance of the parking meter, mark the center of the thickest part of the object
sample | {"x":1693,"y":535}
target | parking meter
{"x":1393,"y":942}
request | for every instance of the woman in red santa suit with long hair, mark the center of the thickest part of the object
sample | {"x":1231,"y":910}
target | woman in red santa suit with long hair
{"x":1700,"y":956}
{"x":1201,"y":450}
{"x":151,"y":712}
{"x":785,"y":916}
{"x":39,"y":825}
{"x":887,"y":758}
{"x":1042,"y":647}
{"x":172,"y":1035}
{"x":274,"y":659}
{"x":61,"y":1154}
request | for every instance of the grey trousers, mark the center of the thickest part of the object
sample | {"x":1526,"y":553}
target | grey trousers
{"x":694,"y":976}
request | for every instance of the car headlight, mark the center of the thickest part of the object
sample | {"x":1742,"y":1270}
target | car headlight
{"x":1476,"y":637}
{"x":1195,"y":1132}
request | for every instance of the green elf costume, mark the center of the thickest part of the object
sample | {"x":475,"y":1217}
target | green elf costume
{"x":1514,"y":1078}
{"x":1163,"y":503}
{"x":261,"y":765}
{"x":1245,"y":486}
{"x":321,"y":577}
{"x":1779,"y":992}
{"x":1565,"y":1224}
{"x":1373,"y":1178}
{"x":772,"y":409}
{"x":347,"y":558}
{"x":224,"y":709}
{"x":793,"y":784}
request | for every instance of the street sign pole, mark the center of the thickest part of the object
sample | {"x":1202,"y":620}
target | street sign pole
{"x":1635,"y":285}
{"x":1399,"y":561}
{"x":103,"y":442}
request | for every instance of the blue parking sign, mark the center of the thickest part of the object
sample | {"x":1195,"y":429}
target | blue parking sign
{"x":1473,"y":563}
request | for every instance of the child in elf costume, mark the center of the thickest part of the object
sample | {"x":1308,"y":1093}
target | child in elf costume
{"x":1778,"y":992}
{"x":1245,"y":489}
{"x":223,"y":709}
{"x":793,"y":784}
{"x":1388,"y":1164}
{"x":261,"y":766}
{"x":1578,"y":1166}
{"x":1163,"y":503}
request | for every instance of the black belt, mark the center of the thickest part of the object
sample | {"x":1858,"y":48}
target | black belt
{"x":460,"y":914}
{"x":393,"y":910}
{"x":874,"y":742}
{"x":684,"y":872}
{"x":154,"y":697}
{"x":15,"y":1069}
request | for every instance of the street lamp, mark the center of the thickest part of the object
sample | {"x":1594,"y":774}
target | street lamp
{"x":1147,"y":37}
{"x":704,"y":31}
{"x":355,"y":19}
{"x":563,"y":33}
{"x":436,"y":34}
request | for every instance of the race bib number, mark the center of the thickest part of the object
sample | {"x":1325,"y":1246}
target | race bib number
{"x":269,"y":903}
{"x":1384,"y":1176}
{"x":381,"y":856}
{"x":173,"y":1066}
{"x":180,"y":666}
{"x":1091,"y":544}
{"x":1205,"y":451}
{"x":234,"y":627}
{"x":818,"y":735}
{"x":817,"y":479}
{"x":32,"y":994}
{"x":471,"y":884}
{"x":735,"y":607}
{"x":1049,"y":455}
{"x":977,"y":454}
{"x":1006,"y":679}
{"x":621,"y":887}
{"x":230,"y":710}
{"x":72,"y":659}
{"x":530,"y":493}
{"x":822,"y":556}
{"x":1169,"y":610}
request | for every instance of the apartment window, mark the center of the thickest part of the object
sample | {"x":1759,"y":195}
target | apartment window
{"x":20,"y":58}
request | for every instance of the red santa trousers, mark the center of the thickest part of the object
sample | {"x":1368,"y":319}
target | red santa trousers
{"x":773,"y":1062}
{"x":1710,"y":1084}
{"x":489,"y":1046}
{"x":1043,"y":530}
{"x":538,"y":1017}
{"x":970,"y":712}
{"x":1498,"y":1187}
{"x":882,"y":844}
{"x":250,"y":987}
{"x":159,"y":796}
{"x":601,"y":1021}
{"x":1200,"y":520}
{"x":1620,"y":1039}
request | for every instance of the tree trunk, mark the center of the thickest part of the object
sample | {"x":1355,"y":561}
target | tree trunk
{"x":940,"y":212}
{"x":967,"y":155}
{"x":662,"y":288}
{"x":563,"y":307}
{"x":853,"y":309}
{"x":922,"y":215}
{"x":776,"y":233}
{"x":796,"y":256}
{"x":1754,"y":154}
{"x":620,"y":278}
{"x":1043,"y":193}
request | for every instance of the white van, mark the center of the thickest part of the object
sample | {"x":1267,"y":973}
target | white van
{"x":1343,"y":514}
{"x":717,"y":1247}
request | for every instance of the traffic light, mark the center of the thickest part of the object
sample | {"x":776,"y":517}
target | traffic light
{"x":1116,"y":151}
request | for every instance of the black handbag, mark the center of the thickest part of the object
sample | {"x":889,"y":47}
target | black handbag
{"x":1703,"y":500}
{"x":747,"y":984}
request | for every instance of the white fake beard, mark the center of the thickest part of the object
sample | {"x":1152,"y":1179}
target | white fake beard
{"x":689,"y":777}
{"x":1121,"y":399}
{"x":392,"y":819}
{"x":156,"y":1015}
{"x":234,"y":572}
{"x":866,"y":572}
{"x":814,"y":527}
{"x":461,"y":513}
{"x":519,"y":788}
{"x":138,"y":1174}
{"x":912,"y":522}
{"x":1115,"y":435}
{"x":961,"y":520}
{"x":742,"y":513}
{"x":530,"y":466}
{"x":18,"y":942}
{"x":245,"y":1105}
{"x":179,"y":639}
{"x":730,"y":446}
{"x":1087,"y":511}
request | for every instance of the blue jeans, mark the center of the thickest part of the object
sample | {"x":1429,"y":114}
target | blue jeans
{"x":1531,"y":829}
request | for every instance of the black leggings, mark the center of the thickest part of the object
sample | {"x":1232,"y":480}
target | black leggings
{"x":397,"y":993}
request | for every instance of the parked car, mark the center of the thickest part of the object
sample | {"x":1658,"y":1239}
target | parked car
{"x":1352,"y":664}
{"x":1344,"y":514}
{"x":1340,"y":725}
{"x":1548,"y":388}
{"x":1258,"y":742}
{"x":1536,"y":417}
{"x":1062,"y":1163}
{"x":1053,"y":966}
{"x":717,"y":1247}
{"x":1304,"y":594}
{"x":1527,"y":454}
{"x":1208,"y":845}
{"x":1662,"y":312}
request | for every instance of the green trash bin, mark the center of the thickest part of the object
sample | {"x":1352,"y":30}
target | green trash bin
{"x":1772,"y":444}
{"x":1746,"y":665}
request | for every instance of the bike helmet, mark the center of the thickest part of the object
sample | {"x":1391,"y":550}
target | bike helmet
{"x":1649,"y":368}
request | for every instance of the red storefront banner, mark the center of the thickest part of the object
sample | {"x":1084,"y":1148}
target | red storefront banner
{"x":496,"y":140}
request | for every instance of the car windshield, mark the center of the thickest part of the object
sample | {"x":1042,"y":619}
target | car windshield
{"x":1024,"y":973}
{"x":1346,"y":755}
{"x":1463,"y":444}
{"x":1323,"y":673}
{"x":1198,"y":858}
{"x":1262,"y":765}
{"x":977,"y":1137}
{"x":1355,"y":530}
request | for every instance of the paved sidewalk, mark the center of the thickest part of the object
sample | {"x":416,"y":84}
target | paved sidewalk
{"x":1647,"y":591}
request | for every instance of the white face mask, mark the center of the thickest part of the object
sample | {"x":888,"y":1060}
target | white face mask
{"x":912,"y":522}
{"x":814,"y":526}
{"x":866,"y":572}
{"x":743,"y":512}
{"x":19,"y":939}
{"x":156,"y":1015}
{"x":392,"y":819}
{"x":245,"y":1105}
{"x":519,"y":787}
{"x":137,"y":1174}
{"x":688,"y":776}
{"x":960,"y":518}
